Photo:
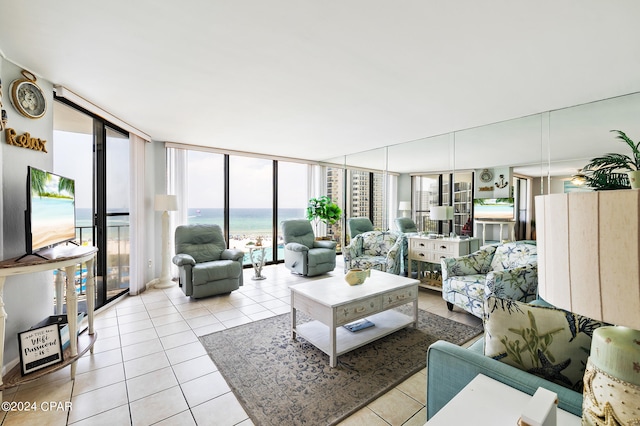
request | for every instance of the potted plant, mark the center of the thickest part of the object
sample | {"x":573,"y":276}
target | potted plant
{"x":613,"y":170}
{"x":322,"y":209}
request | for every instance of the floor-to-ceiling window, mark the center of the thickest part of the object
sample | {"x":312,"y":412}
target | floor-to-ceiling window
{"x":205,"y":188}
{"x":292,"y":195}
{"x":250,"y":202}
{"x":247,"y":196}
{"x":95,"y":154}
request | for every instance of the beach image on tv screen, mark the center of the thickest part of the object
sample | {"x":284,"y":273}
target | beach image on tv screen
{"x":493,"y":208}
{"x":52,"y":209}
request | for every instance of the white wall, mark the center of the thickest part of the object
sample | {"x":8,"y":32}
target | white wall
{"x":28,"y":298}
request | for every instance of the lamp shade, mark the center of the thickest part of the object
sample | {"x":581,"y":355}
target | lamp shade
{"x":441,"y":213}
{"x":166,"y":203}
{"x":589,"y":254}
{"x":404,"y":206}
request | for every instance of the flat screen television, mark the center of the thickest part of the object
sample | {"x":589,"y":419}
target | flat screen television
{"x":50,"y":218}
{"x":494,"y":208}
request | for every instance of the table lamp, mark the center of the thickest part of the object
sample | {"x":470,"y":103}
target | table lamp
{"x":165,"y":204}
{"x":589,"y":264}
{"x":441,"y":213}
{"x":405,"y":208}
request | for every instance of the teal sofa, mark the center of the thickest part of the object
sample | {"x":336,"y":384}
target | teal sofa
{"x":450,"y":368}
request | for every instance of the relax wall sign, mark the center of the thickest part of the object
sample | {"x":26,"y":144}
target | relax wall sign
{"x":25,"y":140}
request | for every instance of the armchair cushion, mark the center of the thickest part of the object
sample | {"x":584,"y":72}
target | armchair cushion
{"x":551,"y":343}
{"x":358,"y":225}
{"x":509,"y":271}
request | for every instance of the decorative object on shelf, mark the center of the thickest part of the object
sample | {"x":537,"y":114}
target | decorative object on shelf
{"x":486,"y":176}
{"x":589,"y":279}
{"x":322,"y":209}
{"x":357,"y":276}
{"x":40,"y":348}
{"x":165,"y":204}
{"x":405,"y":208}
{"x":613,"y":170}
{"x":25,"y":141}
{"x":485,"y":188}
{"x":27,"y":97}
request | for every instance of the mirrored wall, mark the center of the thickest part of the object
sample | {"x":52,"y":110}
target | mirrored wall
{"x":548,"y":147}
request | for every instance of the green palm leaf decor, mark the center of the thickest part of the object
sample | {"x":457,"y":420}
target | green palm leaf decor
{"x":609,"y":171}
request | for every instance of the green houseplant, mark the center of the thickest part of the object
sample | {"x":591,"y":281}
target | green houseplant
{"x":611,"y":171}
{"x":322,"y":209}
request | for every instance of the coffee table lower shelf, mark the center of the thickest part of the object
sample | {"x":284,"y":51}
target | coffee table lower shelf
{"x":385,"y":323}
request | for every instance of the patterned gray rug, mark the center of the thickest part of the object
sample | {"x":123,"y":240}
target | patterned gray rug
{"x":282,"y":382}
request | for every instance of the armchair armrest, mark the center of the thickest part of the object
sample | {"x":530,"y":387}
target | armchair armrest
{"x":297,"y":247}
{"x":394,"y":258}
{"x":519,"y":283}
{"x":325,"y":244}
{"x":470,"y":264}
{"x":232,"y":254}
{"x":451,"y":367}
{"x":182,"y":259}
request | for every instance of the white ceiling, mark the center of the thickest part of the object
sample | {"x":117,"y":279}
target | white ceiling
{"x":319,"y":79}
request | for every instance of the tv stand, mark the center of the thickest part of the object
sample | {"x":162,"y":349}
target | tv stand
{"x":66,"y":257}
{"x":31,"y":254}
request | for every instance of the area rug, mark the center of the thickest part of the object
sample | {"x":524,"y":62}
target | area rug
{"x":284,"y":382}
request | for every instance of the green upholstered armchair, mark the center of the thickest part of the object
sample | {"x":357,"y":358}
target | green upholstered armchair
{"x":304,"y":255}
{"x":406,"y":225}
{"x":358,"y":225}
{"x":206,"y":266}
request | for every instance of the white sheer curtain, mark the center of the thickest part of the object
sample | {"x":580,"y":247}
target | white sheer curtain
{"x":177,"y":185}
{"x":137,"y":215}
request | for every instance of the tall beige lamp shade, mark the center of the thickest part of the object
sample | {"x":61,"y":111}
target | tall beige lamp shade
{"x":165,"y":204}
{"x":589,"y":264}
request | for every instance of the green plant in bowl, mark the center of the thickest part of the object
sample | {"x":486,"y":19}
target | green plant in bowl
{"x":610,"y":171}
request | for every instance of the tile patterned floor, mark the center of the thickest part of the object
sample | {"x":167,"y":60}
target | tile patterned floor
{"x":148,"y":366}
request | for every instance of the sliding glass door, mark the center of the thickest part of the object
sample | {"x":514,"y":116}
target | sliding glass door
{"x":96,"y":155}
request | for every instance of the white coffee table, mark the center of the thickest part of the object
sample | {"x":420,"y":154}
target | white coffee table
{"x":331,"y":302}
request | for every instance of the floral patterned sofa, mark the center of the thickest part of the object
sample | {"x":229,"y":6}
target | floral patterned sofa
{"x":508,"y":271}
{"x":381,"y":250}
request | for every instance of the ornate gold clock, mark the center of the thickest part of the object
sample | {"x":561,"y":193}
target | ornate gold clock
{"x":27,"y":97}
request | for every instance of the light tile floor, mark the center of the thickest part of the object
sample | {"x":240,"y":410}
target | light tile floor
{"x":148,"y":366}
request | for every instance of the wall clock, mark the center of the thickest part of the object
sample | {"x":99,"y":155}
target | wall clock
{"x":486,"y":175}
{"x":27,"y":97}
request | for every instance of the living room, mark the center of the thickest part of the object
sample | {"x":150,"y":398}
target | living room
{"x":484,"y":102}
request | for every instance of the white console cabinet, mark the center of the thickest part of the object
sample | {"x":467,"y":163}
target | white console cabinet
{"x":431,"y":251}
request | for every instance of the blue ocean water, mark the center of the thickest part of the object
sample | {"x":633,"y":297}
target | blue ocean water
{"x":245,"y":222}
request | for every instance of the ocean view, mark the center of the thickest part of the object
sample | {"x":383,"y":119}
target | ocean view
{"x":245,"y":224}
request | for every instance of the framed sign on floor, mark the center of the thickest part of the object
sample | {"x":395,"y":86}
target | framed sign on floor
{"x":40,"y":348}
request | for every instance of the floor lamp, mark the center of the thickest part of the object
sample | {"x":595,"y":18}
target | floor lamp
{"x":165,"y":204}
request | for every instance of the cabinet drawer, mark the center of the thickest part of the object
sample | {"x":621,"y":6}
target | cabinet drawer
{"x":399,"y":297}
{"x":422,"y":244}
{"x":355,"y":310}
{"x":446,"y":248}
{"x":422,"y":255}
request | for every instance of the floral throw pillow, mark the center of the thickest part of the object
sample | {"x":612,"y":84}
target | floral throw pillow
{"x":548,"y":342}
